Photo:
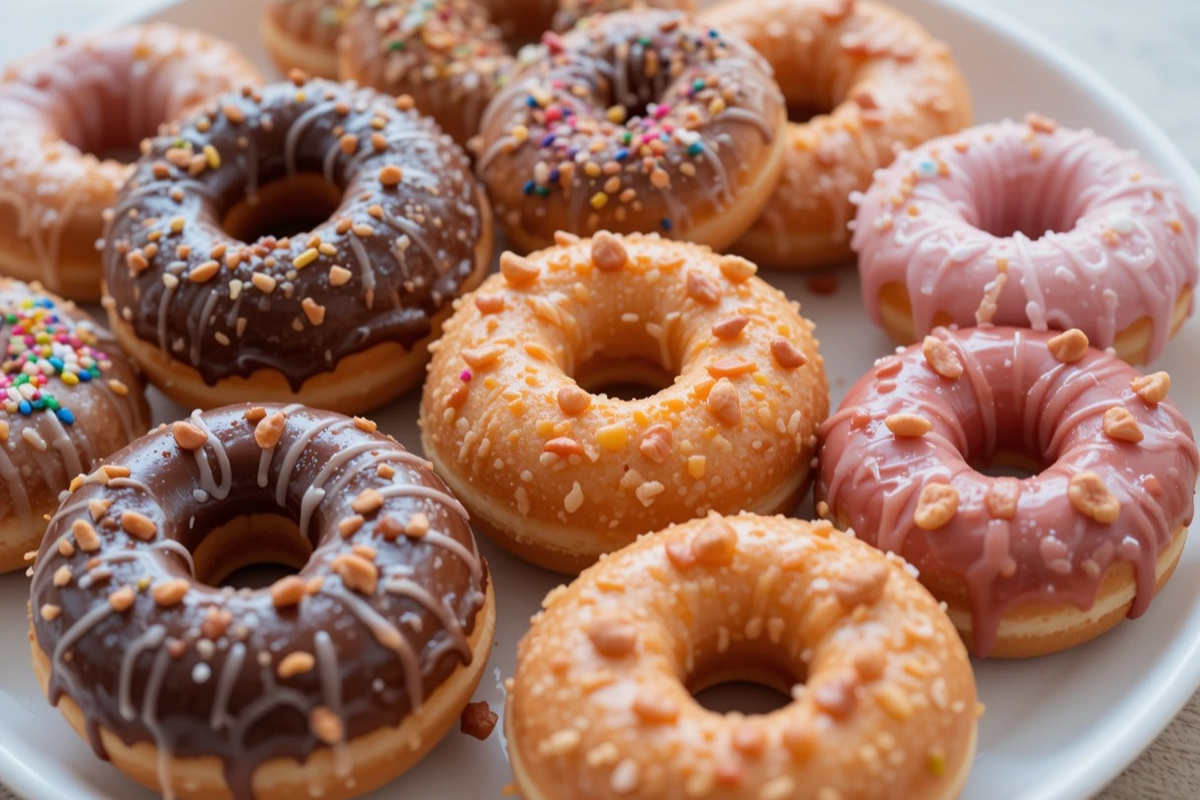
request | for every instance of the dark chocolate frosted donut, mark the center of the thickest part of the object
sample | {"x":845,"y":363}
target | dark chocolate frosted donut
{"x":354,"y":667}
{"x":338,"y":316}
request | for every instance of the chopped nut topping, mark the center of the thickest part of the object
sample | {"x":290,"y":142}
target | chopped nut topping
{"x":573,"y":400}
{"x":1152,"y":388}
{"x":348,"y":526}
{"x":716,"y":542}
{"x":489,"y":303}
{"x":936,"y":506}
{"x":1091,"y":497}
{"x":356,"y":572}
{"x":188,"y":436}
{"x":655,"y":709}
{"x":1122,"y":426}
{"x":122,"y":598}
{"x":313,"y":311}
{"x":1002,"y":497}
{"x":255,"y":414}
{"x":482,"y":355}
{"x":1069,"y":346}
{"x":703,"y":289}
{"x":62,"y":576}
{"x":287,"y":592}
{"x":786,"y":354}
{"x":368,"y":501}
{"x":800,"y":740}
{"x":390,"y":176}
{"x":657,"y":443}
{"x":612,"y":636}
{"x":296,"y":663}
{"x":729,"y":327}
{"x":326,"y":725}
{"x":894,"y":702}
{"x":563,"y":446}
{"x":863,"y":585}
{"x":269,"y":430}
{"x":608,"y":253}
{"x":908,"y":426}
{"x":941,"y":358}
{"x":723,"y":402}
{"x":417,"y":525}
{"x":138,"y":525}
{"x":339,"y":276}
{"x":836,"y":696}
{"x":737,"y":269}
{"x":730,"y":367}
{"x":517,"y":270}
{"x":169,"y":593}
{"x":85,"y":536}
{"x":365,"y":425}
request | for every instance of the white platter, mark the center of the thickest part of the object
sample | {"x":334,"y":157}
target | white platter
{"x":1057,"y":728}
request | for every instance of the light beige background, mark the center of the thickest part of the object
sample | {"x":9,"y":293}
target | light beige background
{"x":1148,"y":48}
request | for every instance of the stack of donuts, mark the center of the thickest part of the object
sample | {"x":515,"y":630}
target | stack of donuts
{"x":287,"y":256}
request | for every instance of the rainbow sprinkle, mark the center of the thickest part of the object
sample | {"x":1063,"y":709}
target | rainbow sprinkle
{"x":42,"y":347}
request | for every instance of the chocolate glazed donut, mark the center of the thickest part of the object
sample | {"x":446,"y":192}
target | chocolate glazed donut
{"x":338,"y":316}
{"x":332,"y":681}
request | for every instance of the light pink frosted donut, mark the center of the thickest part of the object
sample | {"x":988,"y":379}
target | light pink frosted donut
{"x":944,"y":236}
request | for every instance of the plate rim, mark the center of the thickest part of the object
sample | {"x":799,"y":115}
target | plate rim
{"x":1102,"y":764}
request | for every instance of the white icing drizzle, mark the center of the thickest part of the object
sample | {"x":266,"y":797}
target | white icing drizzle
{"x":331,"y":693}
{"x":218,"y":716}
{"x":149,"y":640}
{"x":387,"y":635}
{"x":404,"y":587}
{"x":218,"y":491}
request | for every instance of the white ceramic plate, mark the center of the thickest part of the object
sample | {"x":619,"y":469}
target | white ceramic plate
{"x":1057,"y":728}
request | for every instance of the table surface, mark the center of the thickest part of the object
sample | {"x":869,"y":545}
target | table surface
{"x":1146,"y":48}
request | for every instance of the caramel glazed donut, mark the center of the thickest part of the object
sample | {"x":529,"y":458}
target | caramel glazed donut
{"x":560,"y":475}
{"x":450,"y":55}
{"x":340,"y":316}
{"x":64,"y":110}
{"x":68,"y":397}
{"x":883,"y":699}
{"x":1029,"y":566}
{"x":879,"y":83}
{"x":635,"y":121}
{"x":327,"y":684}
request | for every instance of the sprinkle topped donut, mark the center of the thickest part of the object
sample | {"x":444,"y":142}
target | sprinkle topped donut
{"x":327,"y":683}
{"x":68,"y":397}
{"x":648,"y":121}
{"x":1028,"y":224}
{"x":1028,"y":566}
{"x":216,"y":307}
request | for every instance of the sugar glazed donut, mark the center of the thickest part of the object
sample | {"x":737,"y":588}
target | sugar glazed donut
{"x":1028,"y":224}
{"x":883,"y":698}
{"x":328,"y":683}
{"x":512,"y":415}
{"x":216,"y":310}
{"x":70,"y":398}
{"x":64,"y":111}
{"x":635,"y":121}
{"x":874,"y":81}
{"x":452,"y":56}
{"x":1027,"y":566}
{"x":303,"y":34}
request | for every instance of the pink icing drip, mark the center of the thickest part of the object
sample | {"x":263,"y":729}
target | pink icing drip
{"x":1013,"y":396}
{"x":1123,"y":244}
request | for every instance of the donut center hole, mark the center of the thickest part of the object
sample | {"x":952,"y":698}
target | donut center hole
{"x":250,"y":551}
{"x":283,"y":208}
{"x":747,"y":679}
{"x":803,"y":109}
{"x":1010,"y":464}
{"x":623,"y":377}
{"x":1031,"y":201}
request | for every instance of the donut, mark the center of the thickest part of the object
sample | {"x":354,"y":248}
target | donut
{"x":882,"y":698}
{"x":646,"y":121}
{"x":1028,"y":224}
{"x":863,"y":81}
{"x":515,"y":419}
{"x":303,"y":34}
{"x":70,"y":398}
{"x":68,"y":117}
{"x":217,"y":308}
{"x":451,"y":56}
{"x":328,"y":683}
{"x":1027,"y":566}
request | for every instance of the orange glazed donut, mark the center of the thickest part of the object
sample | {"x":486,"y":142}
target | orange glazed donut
{"x":1026,"y":567}
{"x":560,"y":473}
{"x":883,"y":700}
{"x":303,"y":34}
{"x":216,"y":308}
{"x":452,"y":56}
{"x":69,"y":398}
{"x":64,"y":111}
{"x":327,"y":684}
{"x":877,"y":81}
{"x":645,"y":121}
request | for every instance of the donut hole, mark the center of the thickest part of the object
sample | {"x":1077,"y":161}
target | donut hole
{"x":1010,"y":464}
{"x":1012,"y":198}
{"x":283,"y":208}
{"x":801,"y":110}
{"x":747,"y":679}
{"x":623,"y":378}
{"x":250,"y":551}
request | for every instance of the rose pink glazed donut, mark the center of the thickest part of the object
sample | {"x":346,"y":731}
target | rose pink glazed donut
{"x":1028,"y":224}
{"x":1031,"y":566}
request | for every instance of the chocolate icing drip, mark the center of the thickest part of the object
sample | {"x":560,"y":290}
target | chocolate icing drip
{"x":400,"y":245}
{"x":208,"y":675}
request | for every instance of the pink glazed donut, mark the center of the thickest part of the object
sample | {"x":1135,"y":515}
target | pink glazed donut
{"x":944,"y":236}
{"x":1030,"y":566}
